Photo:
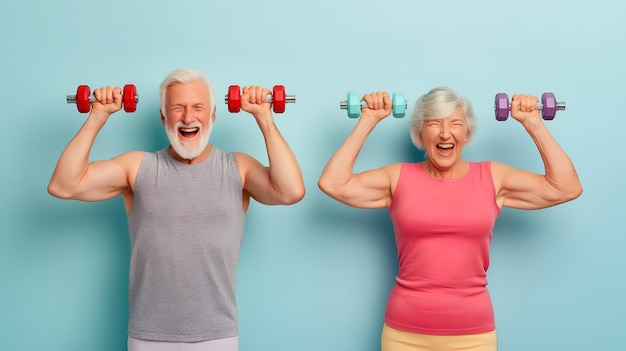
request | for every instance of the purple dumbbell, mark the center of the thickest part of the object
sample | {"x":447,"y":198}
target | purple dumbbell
{"x":548,"y":106}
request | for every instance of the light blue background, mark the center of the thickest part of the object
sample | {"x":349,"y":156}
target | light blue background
{"x":314,"y":276}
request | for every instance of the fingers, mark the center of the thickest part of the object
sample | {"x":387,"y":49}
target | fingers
{"x":255,"y":94}
{"x":379,"y":105}
{"x":377,"y":100}
{"x":108,"y":95}
{"x":524,"y":103}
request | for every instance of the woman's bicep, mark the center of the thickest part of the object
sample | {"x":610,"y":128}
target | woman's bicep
{"x":522,"y":189}
{"x":368,"y":189}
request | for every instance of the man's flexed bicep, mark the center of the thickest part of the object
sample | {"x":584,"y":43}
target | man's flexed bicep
{"x":279,"y":186}
{"x":98,"y":180}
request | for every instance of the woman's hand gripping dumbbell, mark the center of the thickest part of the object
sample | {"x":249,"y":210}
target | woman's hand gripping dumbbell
{"x":354,"y":104}
{"x":83,"y":98}
{"x":278,"y":99}
{"x":548,"y":106}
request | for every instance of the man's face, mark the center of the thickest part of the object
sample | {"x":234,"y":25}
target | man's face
{"x":189,"y":118}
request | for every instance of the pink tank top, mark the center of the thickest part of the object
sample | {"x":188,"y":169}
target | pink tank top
{"x":443,"y":230}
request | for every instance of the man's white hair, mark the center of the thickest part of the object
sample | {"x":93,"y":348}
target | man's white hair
{"x":182,"y":76}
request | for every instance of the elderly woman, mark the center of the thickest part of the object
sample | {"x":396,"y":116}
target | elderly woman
{"x":443,"y":212}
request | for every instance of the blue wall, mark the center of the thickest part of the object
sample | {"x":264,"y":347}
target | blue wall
{"x":314,"y":276}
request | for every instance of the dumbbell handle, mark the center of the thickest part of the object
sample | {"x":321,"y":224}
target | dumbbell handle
{"x":344,"y":105}
{"x":560,"y":106}
{"x":71,"y":99}
{"x":288,"y":99}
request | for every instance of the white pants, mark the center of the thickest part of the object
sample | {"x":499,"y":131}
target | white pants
{"x":226,"y":344}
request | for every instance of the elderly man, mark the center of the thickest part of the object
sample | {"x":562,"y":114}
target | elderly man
{"x":186,"y":208}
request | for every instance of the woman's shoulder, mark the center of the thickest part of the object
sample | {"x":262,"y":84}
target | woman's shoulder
{"x":496,"y":166}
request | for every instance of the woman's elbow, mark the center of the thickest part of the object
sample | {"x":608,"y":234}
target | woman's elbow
{"x":325,"y":187}
{"x":333,"y":190}
{"x":569,"y":194}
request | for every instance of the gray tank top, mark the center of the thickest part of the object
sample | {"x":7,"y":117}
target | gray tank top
{"x":186,"y":227}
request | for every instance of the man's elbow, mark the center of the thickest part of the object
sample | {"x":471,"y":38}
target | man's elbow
{"x":576,"y":192}
{"x":59,"y":192}
{"x":295,"y":196}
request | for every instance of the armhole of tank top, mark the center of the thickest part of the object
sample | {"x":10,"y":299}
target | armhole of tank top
{"x":403,"y":168}
{"x":139,"y":168}
{"x":145,"y":159}
{"x":232,"y":161}
{"x":494,"y":195}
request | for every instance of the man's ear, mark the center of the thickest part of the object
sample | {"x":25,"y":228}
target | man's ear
{"x":213,"y":115}
{"x":162,"y":117}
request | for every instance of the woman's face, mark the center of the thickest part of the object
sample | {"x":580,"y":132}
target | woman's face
{"x":444,"y":139}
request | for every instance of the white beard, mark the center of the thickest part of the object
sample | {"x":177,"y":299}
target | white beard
{"x":189,"y":149}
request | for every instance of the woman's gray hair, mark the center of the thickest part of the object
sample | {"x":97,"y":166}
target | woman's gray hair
{"x":182,"y":76}
{"x":439,"y":103}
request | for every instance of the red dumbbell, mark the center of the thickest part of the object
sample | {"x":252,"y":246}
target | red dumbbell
{"x":84,"y":98}
{"x":278,"y":99}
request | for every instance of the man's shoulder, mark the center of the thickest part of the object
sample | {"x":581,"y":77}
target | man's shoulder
{"x":132,"y":157}
{"x":242,"y":159}
{"x":130,"y":161}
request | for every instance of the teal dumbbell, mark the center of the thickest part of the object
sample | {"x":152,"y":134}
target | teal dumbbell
{"x":354,"y":105}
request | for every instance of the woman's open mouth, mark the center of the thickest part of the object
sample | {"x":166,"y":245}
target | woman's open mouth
{"x":445,"y":149}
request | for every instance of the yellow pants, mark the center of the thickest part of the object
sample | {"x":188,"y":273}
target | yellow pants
{"x":398,"y":340}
